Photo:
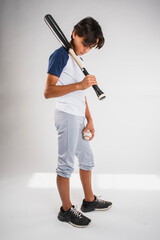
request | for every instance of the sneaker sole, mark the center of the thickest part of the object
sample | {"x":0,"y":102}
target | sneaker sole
{"x":78,"y":226}
{"x":103,"y":209}
{"x":74,"y":225}
{"x":95,"y":209}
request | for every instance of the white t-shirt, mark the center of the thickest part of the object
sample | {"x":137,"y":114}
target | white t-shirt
{"x":62,"y":65}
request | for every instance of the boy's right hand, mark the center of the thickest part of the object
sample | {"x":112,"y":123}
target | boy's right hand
{"x":88,"y":81}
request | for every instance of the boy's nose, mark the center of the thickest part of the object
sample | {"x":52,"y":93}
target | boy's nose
{"x":86,"y":49}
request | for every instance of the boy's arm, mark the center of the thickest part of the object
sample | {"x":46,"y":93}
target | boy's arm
{"x":52,"y":90}
{"x":89,"y":125}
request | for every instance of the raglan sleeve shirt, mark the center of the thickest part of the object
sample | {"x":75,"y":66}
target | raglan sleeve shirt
{"x":57,"y":62}
{"x":62,"y":65}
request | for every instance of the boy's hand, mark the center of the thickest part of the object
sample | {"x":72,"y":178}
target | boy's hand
{"x":88,"y":81}
{"x":90,"y":127}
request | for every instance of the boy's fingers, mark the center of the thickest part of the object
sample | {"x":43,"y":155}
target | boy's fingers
{"x":84,"y":130}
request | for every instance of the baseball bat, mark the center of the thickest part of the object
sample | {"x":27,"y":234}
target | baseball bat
{"x":64,"y":42}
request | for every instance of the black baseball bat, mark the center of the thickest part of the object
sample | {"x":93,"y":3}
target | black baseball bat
{"x":64,"y":42}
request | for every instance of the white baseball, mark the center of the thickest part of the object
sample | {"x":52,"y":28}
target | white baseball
{"x":87,"y":135}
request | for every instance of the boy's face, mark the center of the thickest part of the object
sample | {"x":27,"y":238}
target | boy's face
{"x":79,"y":46}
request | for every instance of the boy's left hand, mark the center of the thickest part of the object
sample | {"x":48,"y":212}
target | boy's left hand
{"x":90,"y":127}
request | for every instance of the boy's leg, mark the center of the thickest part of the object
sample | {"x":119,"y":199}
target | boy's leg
{"x":86,"y":163}
{"x":86,"y":183}
{"x":67,"y":126}
{"x":63,"y":185}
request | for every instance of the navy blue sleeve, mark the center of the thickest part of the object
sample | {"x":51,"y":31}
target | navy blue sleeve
{"x":57,"y":61}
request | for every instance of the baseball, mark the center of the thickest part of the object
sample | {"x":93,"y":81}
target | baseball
{"x":87,"y":135}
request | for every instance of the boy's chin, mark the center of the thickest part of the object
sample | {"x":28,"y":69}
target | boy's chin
{"x":80,"y":54}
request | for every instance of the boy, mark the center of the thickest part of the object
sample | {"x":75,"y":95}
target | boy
{"x":66,"y":83}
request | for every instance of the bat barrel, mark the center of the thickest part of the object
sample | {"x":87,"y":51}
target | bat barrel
{"x":57,"y":31}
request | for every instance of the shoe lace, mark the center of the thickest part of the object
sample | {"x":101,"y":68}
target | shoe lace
{"x":100,"y":200}
{"x":76,"y":212}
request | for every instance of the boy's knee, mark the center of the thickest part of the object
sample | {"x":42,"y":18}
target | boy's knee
{"x":64,"y":171}
{"x":86,"y":167}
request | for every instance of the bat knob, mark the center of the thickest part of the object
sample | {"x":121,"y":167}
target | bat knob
{"x":102,"y":96}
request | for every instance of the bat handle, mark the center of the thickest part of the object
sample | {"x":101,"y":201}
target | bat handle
{"x":98,"y":91}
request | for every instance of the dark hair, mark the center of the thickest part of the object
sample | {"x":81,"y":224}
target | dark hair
{"x":90,"y":30}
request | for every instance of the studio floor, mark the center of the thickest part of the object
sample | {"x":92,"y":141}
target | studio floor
{"x":29,"y":205}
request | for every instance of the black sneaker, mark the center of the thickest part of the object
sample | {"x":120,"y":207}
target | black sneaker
{"x":97,"y":204}
{"x":74,"y":217}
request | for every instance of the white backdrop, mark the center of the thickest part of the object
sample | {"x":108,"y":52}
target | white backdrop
{"x":127,"y":69}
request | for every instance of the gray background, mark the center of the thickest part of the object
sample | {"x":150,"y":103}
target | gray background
{"x":127,"y":69}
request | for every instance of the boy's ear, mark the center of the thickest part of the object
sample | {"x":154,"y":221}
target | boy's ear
{"x":73,"y":34}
